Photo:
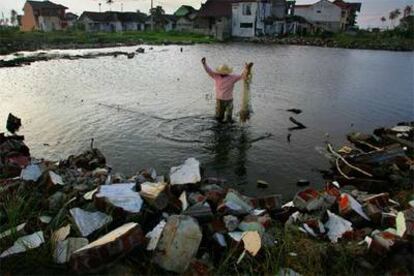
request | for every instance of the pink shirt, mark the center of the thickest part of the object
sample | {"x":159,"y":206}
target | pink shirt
{"x":224,"y":85}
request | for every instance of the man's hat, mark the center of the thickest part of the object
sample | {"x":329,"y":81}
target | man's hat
{"x":224,"y":69}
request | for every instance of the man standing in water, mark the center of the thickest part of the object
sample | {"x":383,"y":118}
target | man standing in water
{"x":224,"y":85}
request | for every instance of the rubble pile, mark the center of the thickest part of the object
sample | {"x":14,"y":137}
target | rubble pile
{"x":92,"y":218}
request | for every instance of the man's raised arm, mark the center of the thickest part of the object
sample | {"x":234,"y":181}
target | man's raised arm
{"x":210,"y":72}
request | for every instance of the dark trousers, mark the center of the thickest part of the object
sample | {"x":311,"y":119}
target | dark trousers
{"x":224,"y":110}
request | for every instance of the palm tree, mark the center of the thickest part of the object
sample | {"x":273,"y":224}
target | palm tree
{"x":391,"y":17}
{"x":407,"y":11}
{"x":383,"y":19}
{"x":13,"y":17}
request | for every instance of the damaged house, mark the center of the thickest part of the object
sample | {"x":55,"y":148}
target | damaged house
{"x":43,"y":16}
{"x":112,"y":21}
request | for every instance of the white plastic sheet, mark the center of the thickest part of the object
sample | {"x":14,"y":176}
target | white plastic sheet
{"x":337,"y":226}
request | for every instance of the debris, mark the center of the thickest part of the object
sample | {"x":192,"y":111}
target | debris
{"x":107,"y":249}
{"x":252,"y":242}
{"x":348,"y":203}
{"x":183,"y":199}
{"x":89,"y":222}
{"x":18,"y":229}
{"x":200,"y":211}
{"x":337,"y":226}
{"x":31,"y":173}
{"x":89,"y":195}
{"x":236,"y":235}
{"x":262,"y":184}
{"x":236,"y":203}
{"x":188,"y":173}
{"x":121,"y":196}
{"x":299,"y":125}
{"x":303,"y":182}
{"x":25,"y":243}
{"x":179,"y":243}
{"x":154,"y":194}
{"x":13,"y":123}
{"x":55,"y":179}
{"x":231,"y":222}
{"x":64,"y":249}
{"x":154,"y":235}
{"x":45,"y":219}
{"x":61,"y":234}
{"x":294,"y":110}
{"x":219,"y":238}
{"x":308,"y":199}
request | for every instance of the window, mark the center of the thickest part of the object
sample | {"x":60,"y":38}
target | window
{"x":246,"y":25}
{"x":247,"y":9}
{"x":318,"y":11}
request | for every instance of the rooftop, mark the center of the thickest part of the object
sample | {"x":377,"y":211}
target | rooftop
{"x":45,"y":5}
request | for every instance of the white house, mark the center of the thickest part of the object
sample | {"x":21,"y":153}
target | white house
{"x":113,"y":21}
{"x":248,"y":17}
{"x":323,"y":14}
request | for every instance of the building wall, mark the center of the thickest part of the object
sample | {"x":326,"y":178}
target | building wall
{"x":50,"y":23}
{"x":323,"y":13}
{"x":243,"y":24}
{"x":28,"y":19}
{"x":184,"y":25}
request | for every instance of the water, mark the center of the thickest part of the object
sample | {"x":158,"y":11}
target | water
{"x":156,"y":110}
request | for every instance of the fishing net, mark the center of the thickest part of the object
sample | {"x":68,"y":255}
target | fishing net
{"x":246,"y":106}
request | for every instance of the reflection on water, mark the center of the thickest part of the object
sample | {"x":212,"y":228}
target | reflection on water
{"x":157,"y":109}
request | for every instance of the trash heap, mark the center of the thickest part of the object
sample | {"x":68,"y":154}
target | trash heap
{"x":90,"y":218}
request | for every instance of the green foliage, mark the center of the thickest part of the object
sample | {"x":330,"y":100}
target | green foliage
{"x":12,"y":40}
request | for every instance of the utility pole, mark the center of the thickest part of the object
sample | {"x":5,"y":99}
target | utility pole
{"x":122,"y":7}
{"x":152,"y":16}
{"x":100,"y":4}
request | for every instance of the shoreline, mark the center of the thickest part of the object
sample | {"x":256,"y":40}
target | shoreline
{"x":352,"y":223}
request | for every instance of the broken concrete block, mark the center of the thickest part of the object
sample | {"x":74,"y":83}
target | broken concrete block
{"x":89,"y":222}
{"x":64,"y":249}
{"x":155,"y":234}
{"x":347,"y":204}
{"x":154,"y":194}
{"x":61,"y":234}
{"x":178,"y":244}
{"x":31,"y":173}
{"x":308,"y":199}
{"x":25,"y":243}
{"x":18,"y":229}
{"x":270,"y":203}
{"x":236,"y":204}
{"x":188,"y":173}
{"x":105,"y":250}
{"x":120,"y":196}
{"x":200,"y":211}
{"x":231,"y":222}
{"x":55,"y":179}
{"x":184,"y":202}
{"x":337,"y":226}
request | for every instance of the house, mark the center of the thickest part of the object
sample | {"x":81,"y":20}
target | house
{"x":348,"y":13}
{"x":330,"y":16}
{"x":252,"y":18}
{"x":185,"y":16}
{"x":71,"y":19}
{"x":248,"y":17}
{"x":112,"y":21}
{"x":43,"y":16}
{"x":161,"y":22}
{"x":214,"y":18}
{"x":324,"y":15}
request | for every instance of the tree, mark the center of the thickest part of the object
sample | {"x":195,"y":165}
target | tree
{"x":157,"y":11}
{"x":383,"y":19}
{"x":13,"y":17}
{"x":392,"y":16}
{"x":407,"y":11}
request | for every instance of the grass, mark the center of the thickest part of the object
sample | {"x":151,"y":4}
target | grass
{"x":14,"y":40}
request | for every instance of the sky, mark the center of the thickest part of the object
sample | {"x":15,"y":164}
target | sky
{"x":371,"y":11}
